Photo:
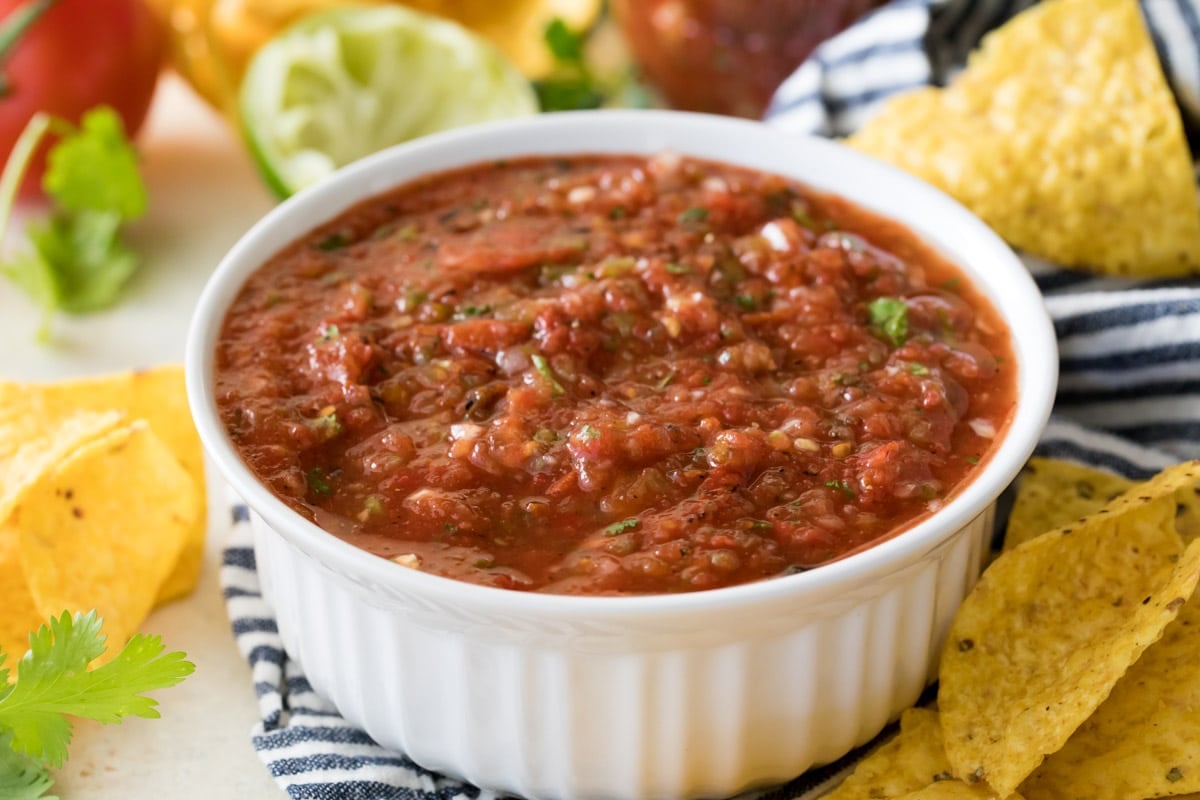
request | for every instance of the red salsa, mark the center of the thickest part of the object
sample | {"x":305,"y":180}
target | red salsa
{"x":612,"y":375}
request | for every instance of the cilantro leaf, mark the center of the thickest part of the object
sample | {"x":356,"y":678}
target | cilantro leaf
{"x":34,"y":275}
{"x":567,"y":94}
{"x":95,"y":168}
{"x":621,"y":527}
{"x":22,"y":778}
{"x":571,"y":85}
{"x":562,"y":42}
{"x":574,"y":82}
{"x":77,"y":261}
{"x":53,"y":681}
{"x":87,"y":258}
{"x":841,"y":486}
{"x":315,"y":478}
{"x":543,"y":368}
{"x":66,"y":644}
{"x":889,"y":315}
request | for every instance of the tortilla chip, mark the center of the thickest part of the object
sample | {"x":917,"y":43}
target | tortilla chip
{"x":1054,"y":493}
{"x":155,"y":395}
{"x":104,"y":528}
{"x":1062,"y":134}
{"x":1053,"y":625}
{"x":18,"y":614}
{"x":956,"y":790}
{"x":1143,"y":740}
{"x":912,"y":764}
{"x":27,"y":454}
{"x":22,"y":463}
{"x":910,"y":760}
{"x":1187,"y":512}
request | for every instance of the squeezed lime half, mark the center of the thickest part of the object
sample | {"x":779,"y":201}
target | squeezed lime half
{"x":345,"y":82}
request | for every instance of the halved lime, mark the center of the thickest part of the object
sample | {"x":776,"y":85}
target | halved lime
{"x":345,"y":82}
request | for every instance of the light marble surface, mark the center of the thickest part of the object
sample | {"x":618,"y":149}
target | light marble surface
{"x":204,"y":194}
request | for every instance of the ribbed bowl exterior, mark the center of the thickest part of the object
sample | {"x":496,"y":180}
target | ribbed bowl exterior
{"x":645,"y":707}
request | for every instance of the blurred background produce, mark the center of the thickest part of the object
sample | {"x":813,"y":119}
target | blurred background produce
{"x":212,"y":41}
{"x":347,"y":81}
{"x":65,"y":57}
{"x":338,"y":89}
{"x":722,"y":56}
{"x":728,"y":56}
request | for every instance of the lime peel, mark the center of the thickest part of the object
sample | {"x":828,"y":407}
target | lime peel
{"x":345,"y":82}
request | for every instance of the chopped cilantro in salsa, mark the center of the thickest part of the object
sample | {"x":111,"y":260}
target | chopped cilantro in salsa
{"x":889,"y":316}
{"x":620,"y":527}
{"x":543,"y":368}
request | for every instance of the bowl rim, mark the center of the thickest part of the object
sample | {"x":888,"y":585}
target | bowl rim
{"x":1033,"y":342}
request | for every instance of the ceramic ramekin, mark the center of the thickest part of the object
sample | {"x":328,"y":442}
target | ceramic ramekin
{"x":684,"y":696}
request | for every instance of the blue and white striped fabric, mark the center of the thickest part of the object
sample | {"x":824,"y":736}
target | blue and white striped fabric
{"x":1129,"y":396}
{"x":911,"y":43}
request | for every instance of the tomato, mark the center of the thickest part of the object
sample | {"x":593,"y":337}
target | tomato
{"x":77,"y":55}
{"x":728,"y":56}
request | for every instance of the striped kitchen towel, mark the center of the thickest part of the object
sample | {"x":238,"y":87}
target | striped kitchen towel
{"x":1129,"y":395}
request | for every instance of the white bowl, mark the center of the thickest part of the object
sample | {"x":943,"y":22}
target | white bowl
{"x":668,"y":696}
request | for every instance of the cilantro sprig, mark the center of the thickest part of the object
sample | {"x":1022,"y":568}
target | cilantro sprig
{"x":572,"y":84}
{"x":54,"y":683}
{"x":78,"y":261}
{"x":21,"y":778}
{"x":575,"y":82}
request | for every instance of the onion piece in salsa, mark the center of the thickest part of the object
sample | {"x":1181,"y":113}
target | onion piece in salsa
{"x":612,"y":375}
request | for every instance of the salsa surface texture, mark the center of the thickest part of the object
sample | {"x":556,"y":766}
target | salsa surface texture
{"x":612,"y":375}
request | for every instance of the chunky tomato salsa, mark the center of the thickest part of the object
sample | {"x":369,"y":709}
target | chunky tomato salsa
{"x":612,"y":375}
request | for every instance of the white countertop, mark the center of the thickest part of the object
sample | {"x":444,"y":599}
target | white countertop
{"x":204,"y":194}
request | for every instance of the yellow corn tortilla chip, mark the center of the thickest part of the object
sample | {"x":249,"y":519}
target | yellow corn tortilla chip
{"x":1061,"y":134}
{"x":910,"y":760}
{"x":155,"y":395}
{"x":956,"y":790}
{"x":22,"y":463}
{"x":104,"y":528}
{"x":28,"y":453}
{"x":1144,"y":740}
{"x":912,"y":764}
{"x":1053,"y":625}
{"x":1187,"y":512}
{"x":18,"y":614}
{"x":1054,"y":493}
